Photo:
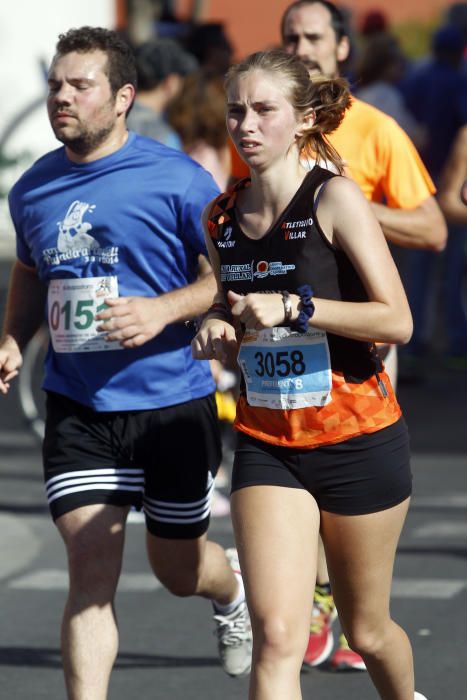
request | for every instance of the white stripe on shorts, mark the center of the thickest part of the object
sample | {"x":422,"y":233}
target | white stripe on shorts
{"x":180,"y":513}
{"x":94,"y":479}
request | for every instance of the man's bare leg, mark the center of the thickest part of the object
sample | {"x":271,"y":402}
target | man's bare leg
{"x":94,"y":538}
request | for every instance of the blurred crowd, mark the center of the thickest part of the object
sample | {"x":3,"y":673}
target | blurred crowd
{"x":180,"y":102}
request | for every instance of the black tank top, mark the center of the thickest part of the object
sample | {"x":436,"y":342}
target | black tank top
{"x":293,"y":252}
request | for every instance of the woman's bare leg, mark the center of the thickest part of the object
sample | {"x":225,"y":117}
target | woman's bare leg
{"x":360,"y":552}
{"x":276,"y":531}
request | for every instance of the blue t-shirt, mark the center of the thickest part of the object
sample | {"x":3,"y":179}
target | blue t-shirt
{"x":134,"y":215}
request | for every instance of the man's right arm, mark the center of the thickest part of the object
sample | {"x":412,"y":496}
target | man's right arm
{"x":421,"y":227}
{"x":410,"y":216}
{"x":24,"y":315}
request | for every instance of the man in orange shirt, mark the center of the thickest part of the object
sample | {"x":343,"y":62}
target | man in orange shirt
{"x":378,"y":153}
{"x":380,"y":157}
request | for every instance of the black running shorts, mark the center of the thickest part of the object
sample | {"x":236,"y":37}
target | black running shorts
{"x":163,"y":460}
{"x":365,"y":474}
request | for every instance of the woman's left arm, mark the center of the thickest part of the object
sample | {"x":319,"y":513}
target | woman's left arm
{"x":347,"y":219}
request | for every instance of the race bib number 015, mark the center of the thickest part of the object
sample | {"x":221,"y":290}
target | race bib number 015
{"x":72,"y":306}
{"x":284,"y":369}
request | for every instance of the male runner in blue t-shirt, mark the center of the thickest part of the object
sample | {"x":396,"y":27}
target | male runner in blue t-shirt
{"x":108,"y":242}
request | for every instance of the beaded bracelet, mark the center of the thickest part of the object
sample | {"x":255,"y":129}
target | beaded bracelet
{"x":307,"y":309}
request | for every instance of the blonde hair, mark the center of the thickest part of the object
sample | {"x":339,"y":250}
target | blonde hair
{"x":328,"y":98}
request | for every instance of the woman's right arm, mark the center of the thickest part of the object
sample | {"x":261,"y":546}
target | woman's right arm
{"x":216,"y":339}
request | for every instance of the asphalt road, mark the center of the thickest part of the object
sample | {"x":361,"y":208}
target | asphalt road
{"x":167,"y":646}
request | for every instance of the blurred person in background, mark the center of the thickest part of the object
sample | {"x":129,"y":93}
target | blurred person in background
{"x":453,"y":201}
{"x":436,"y":93}
{"x":456,"y":14}
{"x":161,"y":65}
{"x":453,"y":182}
{"x":198,"y":116}
{"x":211,"y":47}
{"x":379,"y":69}
{"x":373,"y":23}
{"x":380,"y":157}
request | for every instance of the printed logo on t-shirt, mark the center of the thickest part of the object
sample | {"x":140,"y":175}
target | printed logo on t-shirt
{"x":292,"y":229}
{"x":74,"y":240}
{"x":226,"y":242}
{"x":248,"y":271}
{"x":264,"y":269}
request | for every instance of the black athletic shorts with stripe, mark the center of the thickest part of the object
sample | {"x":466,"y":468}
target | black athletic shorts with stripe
{"x":163,"y":460}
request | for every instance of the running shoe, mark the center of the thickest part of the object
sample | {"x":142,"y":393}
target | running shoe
{"x":234,"y":632}
{"x":321,"y":639}
{"x":345,"y":659}
{"x":419,"y":696}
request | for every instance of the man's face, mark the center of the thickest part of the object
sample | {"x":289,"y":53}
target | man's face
{"x":309,"y":34}
{"x":82,"y":110}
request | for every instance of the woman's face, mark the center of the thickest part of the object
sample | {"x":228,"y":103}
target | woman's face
{"x":260,"y":119}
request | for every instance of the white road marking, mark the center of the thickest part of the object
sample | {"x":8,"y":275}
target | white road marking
{"x":441,"y":528}
{"x":440,"y":589}
{"x":19,"y":545}
{"x":17,"y":438}
{"x":57,"y":580}
{"x":445,"y":500}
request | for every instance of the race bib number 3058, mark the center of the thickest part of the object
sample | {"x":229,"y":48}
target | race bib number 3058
{"x":72,"y":306}
{"x":284,"y":369}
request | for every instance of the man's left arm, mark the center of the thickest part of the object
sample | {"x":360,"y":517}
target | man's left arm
{"x":135,"y":320}
{"x":421,"y":227}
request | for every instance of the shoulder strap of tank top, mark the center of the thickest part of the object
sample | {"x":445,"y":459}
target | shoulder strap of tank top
{"x":323,"y":178}
{"x":221,"y":207}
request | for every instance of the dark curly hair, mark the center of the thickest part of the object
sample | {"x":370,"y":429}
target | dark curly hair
{"x":120,"y":68}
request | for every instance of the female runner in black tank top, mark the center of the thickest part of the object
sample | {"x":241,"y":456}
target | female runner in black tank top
{"x":303,"y":292}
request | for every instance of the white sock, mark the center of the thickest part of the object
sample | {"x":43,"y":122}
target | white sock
{"x":230,"y":607}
